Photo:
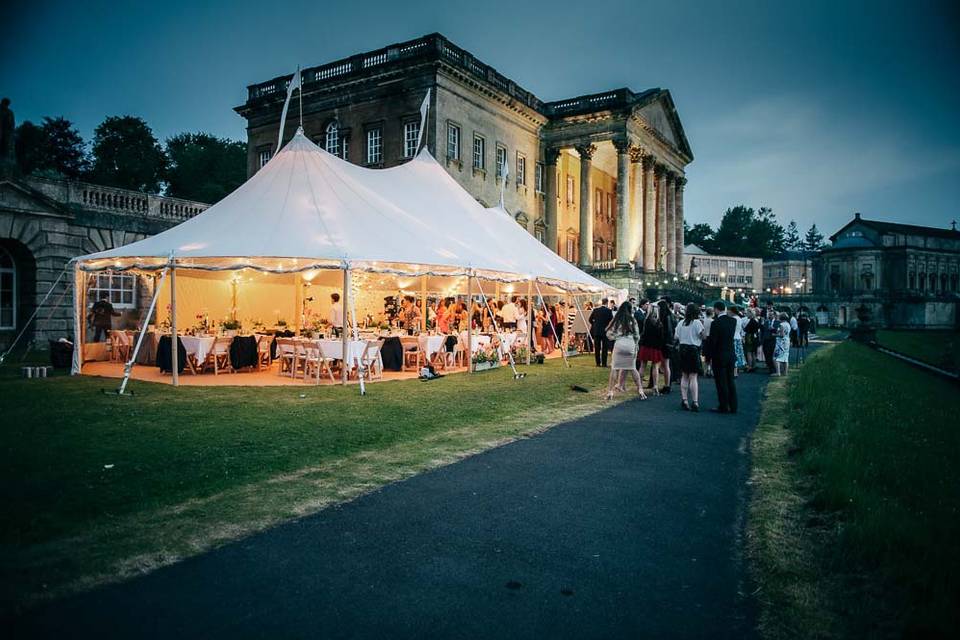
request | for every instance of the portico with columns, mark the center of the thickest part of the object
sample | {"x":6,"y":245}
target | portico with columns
{"x":636,"y":142}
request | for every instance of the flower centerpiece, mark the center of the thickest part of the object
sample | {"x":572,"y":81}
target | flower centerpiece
{"x":230,"y":326}
{"x":488,"y":358}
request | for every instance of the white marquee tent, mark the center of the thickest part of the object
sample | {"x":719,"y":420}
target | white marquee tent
{"x":309,"y":217}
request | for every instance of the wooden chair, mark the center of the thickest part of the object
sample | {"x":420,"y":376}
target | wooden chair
{"x":413,"y":357}
{"x":264,"y":361}
{"x":120,"y":346}
{"x":370,"y":360}
{"x":287,"y":355}
{"x":219,"y":357}
{"x":316,"y":362}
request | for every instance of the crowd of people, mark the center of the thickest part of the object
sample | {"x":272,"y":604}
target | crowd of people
{"x":679,"y":344}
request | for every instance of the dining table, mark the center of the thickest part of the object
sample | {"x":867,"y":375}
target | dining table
{"x":199,"y":346}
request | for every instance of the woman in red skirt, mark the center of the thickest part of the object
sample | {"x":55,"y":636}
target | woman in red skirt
{"x":651,"y":347}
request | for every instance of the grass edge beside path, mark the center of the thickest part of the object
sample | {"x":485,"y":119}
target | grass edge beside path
{"x":143,"y":542}
{"x":792,"y":581}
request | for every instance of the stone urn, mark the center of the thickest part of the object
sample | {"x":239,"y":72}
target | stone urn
{"x":864,"y":329}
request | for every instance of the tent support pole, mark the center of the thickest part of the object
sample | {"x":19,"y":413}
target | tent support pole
{"x":496,"y":328}
{"x":469,"y":322}
{"x":529,"y":337}
{"x":423,"y":304}
{"x":566,"y":315}
{"x":553,"y":327}
{"x":174,"y":339}
{"x":128,"y":369}
{"x":297,"y":305}
{"x":344,"y":337}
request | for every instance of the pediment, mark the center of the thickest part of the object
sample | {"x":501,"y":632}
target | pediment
{"x":18,"y":197}
{"x":660,"y":114}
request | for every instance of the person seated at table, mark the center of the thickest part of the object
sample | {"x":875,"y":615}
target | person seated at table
{"x":335,"y":315}
{"x":476,"y":315}
{"x":463,"y":318}
{"x":101,"y":317}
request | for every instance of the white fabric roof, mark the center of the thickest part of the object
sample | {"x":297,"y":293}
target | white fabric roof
{"x":307,"y":209}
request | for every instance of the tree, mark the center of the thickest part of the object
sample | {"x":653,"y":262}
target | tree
{"x":55,"y":148}
{"x":749,"y":233}
{"x":127,"y":155}
{"x":792,"y":239}
{"x":203,"y":167}
{"x":813,"y":241}
{"x":700,"y":234}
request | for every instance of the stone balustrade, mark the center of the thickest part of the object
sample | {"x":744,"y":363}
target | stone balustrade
{"x":432,"y":47}
{"x":94,"y":197}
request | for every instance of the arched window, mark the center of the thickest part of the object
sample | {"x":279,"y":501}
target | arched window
{"x":8,"y":291}
{"x":331,"y":140}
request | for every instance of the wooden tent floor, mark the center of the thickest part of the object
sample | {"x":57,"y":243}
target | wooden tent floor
{"x":267,"y":378}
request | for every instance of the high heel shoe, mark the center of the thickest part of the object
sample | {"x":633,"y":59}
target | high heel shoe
{"x":684,"y":405}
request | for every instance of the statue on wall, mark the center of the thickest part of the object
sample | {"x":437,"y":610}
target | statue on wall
{"x":662,"y":261}
{"x":7,"y":129}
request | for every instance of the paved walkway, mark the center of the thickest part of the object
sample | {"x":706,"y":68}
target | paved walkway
{"x":626,"y":523}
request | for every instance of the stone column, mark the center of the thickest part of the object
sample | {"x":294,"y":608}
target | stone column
{"x":661,"y":173}
{"x":550,"y":204}
{"x":649,"y":214}
{"x":671,"y":225}
{"x":681,"y":181}
{"x":623,"y":202}
{"x":636,"y":206}
{"x":586,"y":198}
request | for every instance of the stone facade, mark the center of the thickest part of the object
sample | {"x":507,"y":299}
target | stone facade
{"x":44,"y":223}
{"x":581,"y":171}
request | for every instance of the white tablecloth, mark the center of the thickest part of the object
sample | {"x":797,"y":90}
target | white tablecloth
{"x":479,"y":341}
{"x":431,"y":344}
{"x":334,"y":349}
{"x":200,"y":346}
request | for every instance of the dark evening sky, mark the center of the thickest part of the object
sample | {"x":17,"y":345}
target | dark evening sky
{"x":817,"y":110}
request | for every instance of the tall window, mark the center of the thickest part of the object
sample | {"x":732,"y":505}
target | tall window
{"x":538,"y":178}
{"x":598,"y":203}
{"x":501,"y":160}
{"x":453,"y":141}
{"x":570,"y":190}
{"x":521,"y":169}
{"x":8,"y":291}
{"x":411,"y":131}
{"x":538,"y":234}
{"x":571,"y":249}
{"x":263,"y":158}
{"x":375,"y":146}
{"x":331,"y":140}
{"x":479,"y":152}
{"x":121,"y":287}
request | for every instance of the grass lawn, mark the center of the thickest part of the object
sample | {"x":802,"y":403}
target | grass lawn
{"x":854,"y":528}
{"x":939,"y":348}
{"x":98,"y":487}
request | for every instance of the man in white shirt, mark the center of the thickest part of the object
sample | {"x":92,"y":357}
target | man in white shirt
{"x":509,"y":314}
{"x":335,"y":315}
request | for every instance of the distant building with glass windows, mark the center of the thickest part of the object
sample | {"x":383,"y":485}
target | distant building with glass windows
{"x":734,"y":272}
{"x":789,"y":272}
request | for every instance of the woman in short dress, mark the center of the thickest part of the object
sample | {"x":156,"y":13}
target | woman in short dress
{"x":689,"y":334}
{"x":750,"y":341}
{"x":625,"y":333}
{"x":651,"y":346}
{"x":781,"y":350}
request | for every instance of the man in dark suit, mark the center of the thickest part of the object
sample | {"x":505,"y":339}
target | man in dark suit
{"x":723,"y":358}
{"x":599,"y":318}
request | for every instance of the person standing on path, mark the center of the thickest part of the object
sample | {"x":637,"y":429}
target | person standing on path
{"x":751,"y":330}
{"x":651,"y":346}
{"x":723,"y":358}
{"x":599,"y":319}
{"x":625,"y":334}
{"x":689,"y":334}
{"x":668,"y":325}
{"x":781,"y":353}
{"x":768,"y":339}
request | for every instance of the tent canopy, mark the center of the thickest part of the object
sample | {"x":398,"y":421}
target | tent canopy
{"x":308,"y":210}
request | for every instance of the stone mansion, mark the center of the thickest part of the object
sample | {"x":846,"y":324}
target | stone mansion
{"x":598,"y":178}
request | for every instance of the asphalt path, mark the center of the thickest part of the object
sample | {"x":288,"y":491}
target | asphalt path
{"x":626,"y":523}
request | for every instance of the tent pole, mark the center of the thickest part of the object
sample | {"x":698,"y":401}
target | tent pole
{"x":423,"y":304}
{"x":128,"y":369}
{"x":564,"y":320}
{"x":530,"y":341}
{"x":344,"y":338}
{"x":79,"y":319}
{"x":174,"y":339}
{"x":469,"y":323}
{"x":298,"y":305}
